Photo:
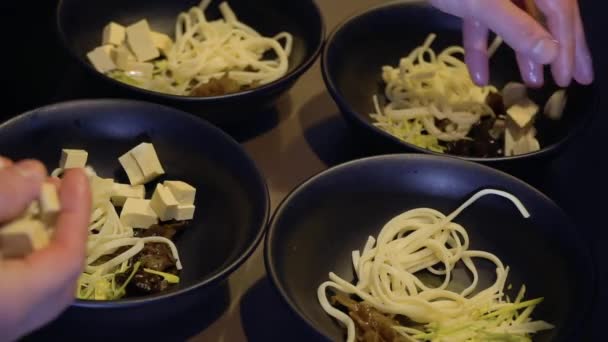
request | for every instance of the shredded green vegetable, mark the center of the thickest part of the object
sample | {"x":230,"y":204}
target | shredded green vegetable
{"x":104,"y":287}
{"x":170,"y":278}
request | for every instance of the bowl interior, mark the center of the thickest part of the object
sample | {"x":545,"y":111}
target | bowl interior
{"x":322,"y":222}
{"x":81,"y":23}
{"x":355,"y":55}
{"x":231,"y":199}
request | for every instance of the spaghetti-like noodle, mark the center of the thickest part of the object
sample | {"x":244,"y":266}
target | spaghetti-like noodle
{"x":205,"y":50}
{"x":426,"y":240}
{"x":426,"y":87}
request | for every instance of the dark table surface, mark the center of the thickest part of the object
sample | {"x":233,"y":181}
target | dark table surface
{"x":306,"y":136}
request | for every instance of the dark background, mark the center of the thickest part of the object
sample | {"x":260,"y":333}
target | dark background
{"x":36,"y":72}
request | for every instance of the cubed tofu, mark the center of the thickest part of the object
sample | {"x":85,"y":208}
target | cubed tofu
{"x":123,"y":57}
{"x":137,"y":213}
{"x":183,"y":192}
{"x":523,"y":112}
{"x":139,"y":70}
{"x":101,"y":60}
{"x":519,"y":140}
{"x":555,"y":106}
{"x":120,"y":193}
{"x":101,"y":190}
{"x":147,"y":160}
{"x":139,"y":38}
{"x":163,"y":203}
{"x":133,"y":171}
{"x":162,"y":42}
{"x":114,"y":34}
{"x":49,"y":203}
{"x":72,"y":159}
{"x":514,"y":92}
{"x":185,"y":212}
{"x":22,"y":237}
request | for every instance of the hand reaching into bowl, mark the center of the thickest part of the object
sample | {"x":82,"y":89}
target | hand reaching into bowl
{"x":563,"y":46}
{"x":36,"y":289}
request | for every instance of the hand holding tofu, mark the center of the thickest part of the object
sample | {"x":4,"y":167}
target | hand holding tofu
{"x":30,"y":205}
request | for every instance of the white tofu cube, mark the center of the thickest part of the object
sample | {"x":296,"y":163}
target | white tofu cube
{"x":120,"y":193}
{"x":123,"y":57}
{"x":101,"y":60}
{"x":137,"y":213}
{"x":113,"y":34}
{"x":513,"y":92}
{"x":523,"y":112}
{"x":183,"y":192}
{"x":162,"y":42}
{"x":73,"y":159}
{"x":163,"y":203}
{"x":139,"y":38}
{"x":49,"y":202}
{"x":101,"y":190}
{"x":133,"y":171}
{"x":22,"y":237}
{"x":147,"y":160}
{"x":185,"y":212}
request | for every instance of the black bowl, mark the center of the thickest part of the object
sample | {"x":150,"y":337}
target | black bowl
{"x":80,"y":24}
{"x":315,"y":229}
{"x":232,"y":198}
{"x":358,"y":48}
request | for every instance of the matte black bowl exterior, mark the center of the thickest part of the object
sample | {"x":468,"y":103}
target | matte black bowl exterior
{"x":232,"y":198}
{"x":320,"y":223}
{"x":80,"y":25}
{"x":358,"y":48}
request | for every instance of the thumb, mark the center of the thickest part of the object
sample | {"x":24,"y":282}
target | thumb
{"x":19,"y":186}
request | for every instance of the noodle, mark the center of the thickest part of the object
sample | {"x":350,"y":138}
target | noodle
{"x":417,"y":240}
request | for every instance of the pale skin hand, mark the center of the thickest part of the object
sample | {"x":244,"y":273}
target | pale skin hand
{"x":35,"y":290}
{"x":563,"y":45}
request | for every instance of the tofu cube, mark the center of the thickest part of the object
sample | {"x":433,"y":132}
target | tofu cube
{"x":133,"y":171}
{"x":137,"y":213}
{"x":120,"y":193}
{"x":162,"y":42}
{"x":22,"y":237}
{"x":49,"y":203}
{"x":113,"y":34}
{"x":101,"y":190}
{"x":101,"y":60}
{"x":523,"y":112}
{"x":123,"y":57}
{"x":139,"y":38}
{"x":73,"y":159}
{"x":147,"y":160}
{"x":514,"y":92}
{"x":185,"y":212}
{"x":163,"y":203}
{"x":183,"y":192}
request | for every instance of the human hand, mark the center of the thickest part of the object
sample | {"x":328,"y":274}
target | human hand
{"x":564,"y":47}
{"x":36,"y":289}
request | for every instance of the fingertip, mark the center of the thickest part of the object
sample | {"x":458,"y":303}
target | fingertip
{"x":545,"y":51}
{"x":32,"y":170}
{"x":5,"y":162}
{"x":532,"y":73}
{"x":561,"y":76}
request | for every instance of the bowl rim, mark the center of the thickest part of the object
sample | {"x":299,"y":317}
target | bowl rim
{"x":349,"y":113}
{"x":288,"y":77}
{"x":226,"y":270}
{"x":585,"y":255}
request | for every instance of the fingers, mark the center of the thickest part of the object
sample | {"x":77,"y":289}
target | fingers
{"x":532,"y":73}
{"x":560,"y":20}
{"x":475,"y":38}
{"x":19,"y":186}
{"x":68,"y":245}
{"x":5,"y":162}
{"x":583,"y":63}
{"x":514,"y":25}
